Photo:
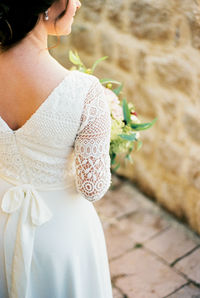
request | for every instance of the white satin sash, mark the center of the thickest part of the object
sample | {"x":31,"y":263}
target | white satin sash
{"x":26,"y":210}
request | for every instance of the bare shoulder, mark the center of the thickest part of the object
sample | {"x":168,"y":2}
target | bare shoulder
{"x":26,"y":87}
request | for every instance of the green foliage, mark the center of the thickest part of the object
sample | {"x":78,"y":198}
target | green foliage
{"x":107,"y":81}
{"x":97,"y":62}
{"x":118,"y":90}
{"x":142,"y":126}
{"x":126,"y":111}
{"x":138,"y":245}
{"x":75,"y":59}
{"x":139,"y":145}
{"x":130,"y":137}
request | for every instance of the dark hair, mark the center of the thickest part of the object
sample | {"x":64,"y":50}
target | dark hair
{"x":18,"y":18}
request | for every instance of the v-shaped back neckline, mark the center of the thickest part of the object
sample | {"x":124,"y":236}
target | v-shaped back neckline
{"x":40,"y":106}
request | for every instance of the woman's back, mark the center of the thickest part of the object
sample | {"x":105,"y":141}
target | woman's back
{"x":59,"y":159}
{"x":54,"y":161}
{"x":25,"y":85}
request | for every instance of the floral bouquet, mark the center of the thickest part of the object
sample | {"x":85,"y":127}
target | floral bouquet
{"x":125,"y":127}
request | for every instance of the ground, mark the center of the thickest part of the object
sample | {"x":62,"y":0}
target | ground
{"x":151,"y":253}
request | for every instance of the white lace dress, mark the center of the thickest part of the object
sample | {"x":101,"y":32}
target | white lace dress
{"x":52,"y":242}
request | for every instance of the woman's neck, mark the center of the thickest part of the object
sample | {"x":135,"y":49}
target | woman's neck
{"x":32,"y":47}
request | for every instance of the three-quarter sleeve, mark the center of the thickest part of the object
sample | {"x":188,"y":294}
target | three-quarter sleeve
{"x":92,"y":143}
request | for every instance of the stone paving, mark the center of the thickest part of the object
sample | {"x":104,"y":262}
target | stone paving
{"x":151,"y":253}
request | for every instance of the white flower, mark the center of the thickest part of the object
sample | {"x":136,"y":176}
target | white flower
{"x":137,"y":135}
{"x":136,"y":120}
{"x":114,"y":104}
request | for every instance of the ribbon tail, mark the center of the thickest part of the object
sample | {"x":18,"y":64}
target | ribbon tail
{"x":40,"y":213}
{"x":10,"y":232}
{"x":22,"y":253}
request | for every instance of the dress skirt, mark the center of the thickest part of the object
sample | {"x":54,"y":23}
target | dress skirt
{"x":69,"y":257}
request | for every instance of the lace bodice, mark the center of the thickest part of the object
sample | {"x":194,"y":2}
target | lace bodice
{"x":65,"y":141}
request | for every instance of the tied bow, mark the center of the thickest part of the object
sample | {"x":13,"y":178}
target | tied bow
{"x":14,"y":198}
{"x":18,"y":252}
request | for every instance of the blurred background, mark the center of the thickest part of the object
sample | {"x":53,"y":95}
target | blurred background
{"x":154,"y":49}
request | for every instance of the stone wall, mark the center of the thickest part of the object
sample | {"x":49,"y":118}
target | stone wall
{"x":153,"y":48}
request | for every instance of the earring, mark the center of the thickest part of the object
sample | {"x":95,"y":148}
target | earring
{"x":46,"y":17}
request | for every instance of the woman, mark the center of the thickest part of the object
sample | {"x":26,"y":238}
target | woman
{"x":54,"y":161}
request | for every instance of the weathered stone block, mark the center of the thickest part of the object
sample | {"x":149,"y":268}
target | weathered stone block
{"x":145,"y":224}
{"x":188,"y":291}
{"x":124,"y":57}
{"x":190,"y":265}
{"x":117,"y":293}
{"x":118,"y":241}
{"x":171,"y":244}
{"x":193,"y":173}
{"x":107,"y":45}
{"x":170,"y":155}
{"x":174,"y":73}
{"x":91,"y":16}
{"x":142,"y":98}
{"x":151,"y":20}
{"x":171,"y":195}
{"x":97,"y":5}
{"x":191,"y":122}
{"x":83,"y":38}
{"x":144,"y":275}
{"x":114,"y":9}
{"x":120,"y":203}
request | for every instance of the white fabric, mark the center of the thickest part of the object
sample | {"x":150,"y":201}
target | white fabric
{"x":51,"y":238}
{"x":92,"y":146}
{"x":33,"y":213}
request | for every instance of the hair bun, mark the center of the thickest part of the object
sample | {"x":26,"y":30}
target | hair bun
{"x":4,"y":9}
{"x":5,"y":28}
{"x":18,"y":18}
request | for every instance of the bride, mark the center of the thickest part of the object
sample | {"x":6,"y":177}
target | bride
{"x":54,"y":161}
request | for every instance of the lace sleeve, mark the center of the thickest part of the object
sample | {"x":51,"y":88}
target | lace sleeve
{"x":92,"y":160}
